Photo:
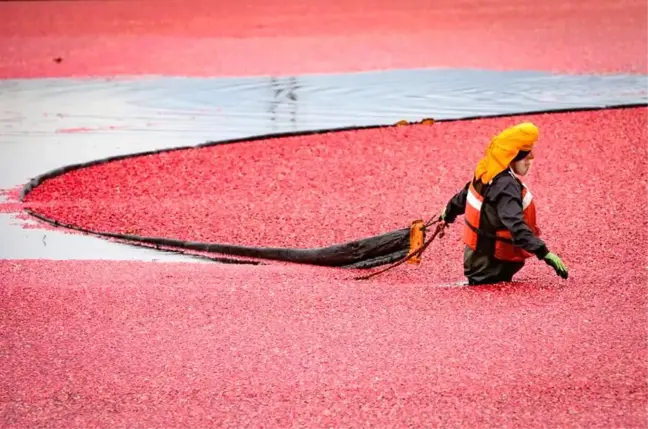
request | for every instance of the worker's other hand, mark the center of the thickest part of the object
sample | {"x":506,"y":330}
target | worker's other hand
{"x":557,"y":264}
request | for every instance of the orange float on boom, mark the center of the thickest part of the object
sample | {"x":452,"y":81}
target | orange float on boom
{"x":417,"y":238}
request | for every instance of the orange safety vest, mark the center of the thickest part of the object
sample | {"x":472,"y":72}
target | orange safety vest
{"x":504,"y":248}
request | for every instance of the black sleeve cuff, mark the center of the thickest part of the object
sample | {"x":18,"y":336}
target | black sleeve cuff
{"x":542,"y":252}
{"x":450,"y":216}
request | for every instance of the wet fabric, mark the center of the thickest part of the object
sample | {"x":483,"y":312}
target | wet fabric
{"x":482,"y":268}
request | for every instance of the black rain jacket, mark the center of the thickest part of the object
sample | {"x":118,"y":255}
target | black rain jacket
{"x":502,"y":208}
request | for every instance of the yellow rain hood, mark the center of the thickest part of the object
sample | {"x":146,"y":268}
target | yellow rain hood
{"x":504,"y":148}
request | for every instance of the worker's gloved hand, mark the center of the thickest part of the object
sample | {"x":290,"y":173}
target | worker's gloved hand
{"x":557,"y":264}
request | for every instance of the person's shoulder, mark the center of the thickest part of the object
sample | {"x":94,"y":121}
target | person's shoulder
{"x":506,"y":182}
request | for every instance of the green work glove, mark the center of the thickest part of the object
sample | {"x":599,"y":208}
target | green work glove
{"x":557,"y":264}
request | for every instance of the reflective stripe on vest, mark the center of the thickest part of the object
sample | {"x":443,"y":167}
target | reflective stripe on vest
{"x":472,"y":217}
{"x":504,"y":248}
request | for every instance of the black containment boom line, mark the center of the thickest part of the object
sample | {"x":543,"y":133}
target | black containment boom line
{"x":363,"y":253}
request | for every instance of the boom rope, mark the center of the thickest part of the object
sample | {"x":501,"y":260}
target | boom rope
{"x":439,"y":231}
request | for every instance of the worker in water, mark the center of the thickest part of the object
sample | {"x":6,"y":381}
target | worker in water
{"x":500,"y":229}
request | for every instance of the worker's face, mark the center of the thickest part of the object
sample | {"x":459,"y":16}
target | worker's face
{"x":522,"y":167}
